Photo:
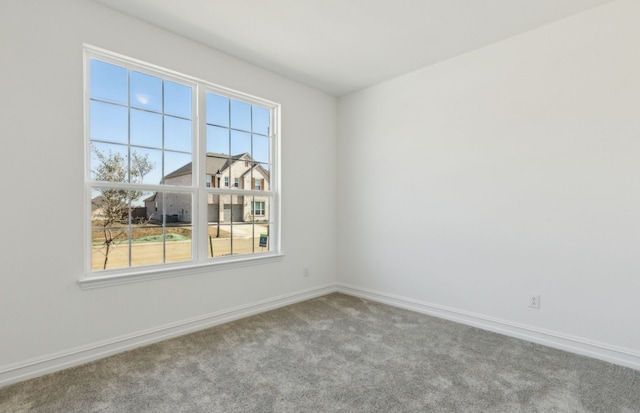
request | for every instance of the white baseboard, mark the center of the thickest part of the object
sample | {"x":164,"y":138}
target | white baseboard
{"x":602,"y":351}
{"x":48,"y":364}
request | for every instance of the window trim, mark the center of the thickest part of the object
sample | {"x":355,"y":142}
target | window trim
{"x":200,"y":261}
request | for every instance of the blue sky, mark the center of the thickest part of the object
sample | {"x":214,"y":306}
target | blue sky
{"x":154,"y":117}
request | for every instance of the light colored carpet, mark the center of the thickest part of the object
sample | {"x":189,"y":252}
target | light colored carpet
{"x":335,"y":354}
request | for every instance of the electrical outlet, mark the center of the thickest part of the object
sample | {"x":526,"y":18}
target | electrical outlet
{"x":305,"y":271}
{"x":534,"y":300}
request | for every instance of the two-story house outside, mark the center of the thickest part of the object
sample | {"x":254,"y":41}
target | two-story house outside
{"x":222,"y":171}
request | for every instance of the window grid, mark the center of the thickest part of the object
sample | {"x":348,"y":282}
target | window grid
{"x":165,"y":188}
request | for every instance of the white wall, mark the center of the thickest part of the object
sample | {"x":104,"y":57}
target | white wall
{"x":512,"y":169}
{"x":461,"y":187}
{"x":44,"y":313}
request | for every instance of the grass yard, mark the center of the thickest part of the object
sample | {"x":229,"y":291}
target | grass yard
{"x":147,"y":246}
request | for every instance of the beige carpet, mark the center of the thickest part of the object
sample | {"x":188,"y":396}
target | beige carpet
{"x":335,"y":354}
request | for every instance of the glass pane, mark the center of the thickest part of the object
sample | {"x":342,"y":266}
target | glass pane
{"x":245,"y":239}
{"x":109,"y":248}
{"x":147,"y":244}
{"x":109,"y":228}
{"x":146,"y":129}
{"x":225,"y":208}
{"x":108,"y":122}
{"x":213,"y":208}
{"x":178,"y":168}
{"x":219,"y":240}
{"x":260,"y":120}
{"x":109,"y":163}
{"x":240,"y":115}
{"x":240,"y":172}
{"x":216,"y":166}
{"x":261,"y":171}
{"x":178,"y":209}
{"x":217,"y":140}
{"x":108,"y":82}
{"x":147,"y":239}
{"x":217,"y":110}
{"x":259,"y":210}
{"x":153,"y":207}
{"x":260,"y":148}
{"x":177,"y":99}
{"x":178,"y":243}
{"x":146,"y":165}
{"x":146,"y":92}
{"x":240,"y":208}
{"x":251,"y":208}
{"x":142,"y":207}
{"x":109,"y":207}
{"x":240,"y":143}
{"x":259,"y":179}
{"x":177,"y":134}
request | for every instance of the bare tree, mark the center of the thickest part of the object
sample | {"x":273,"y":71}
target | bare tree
{"x":115,"y":203}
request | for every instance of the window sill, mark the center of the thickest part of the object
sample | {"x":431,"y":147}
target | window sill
{"x":98,"y":281}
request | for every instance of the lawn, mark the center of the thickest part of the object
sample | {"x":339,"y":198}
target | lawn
{"x":148,"y":248}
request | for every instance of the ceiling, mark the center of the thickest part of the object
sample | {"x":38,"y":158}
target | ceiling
{"x":340,"y":46}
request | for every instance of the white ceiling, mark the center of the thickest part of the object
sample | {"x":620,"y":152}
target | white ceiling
{"x":340,"y":46}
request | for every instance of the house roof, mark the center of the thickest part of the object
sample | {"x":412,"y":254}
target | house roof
{"x":151,"y":198}
{"x":259,"y":167}
{"x":184,"y":170}
{"x":219,"y":162}
{"x":215,"y":162}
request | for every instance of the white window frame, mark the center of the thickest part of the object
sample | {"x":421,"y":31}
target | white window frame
{"x":200,"y":261}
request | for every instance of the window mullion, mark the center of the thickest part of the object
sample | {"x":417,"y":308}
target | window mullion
{"x":202,"y":230}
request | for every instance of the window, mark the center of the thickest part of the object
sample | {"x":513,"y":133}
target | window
{"x":153,"y":174}
{"x":258,"y":184}
{"x":258,"y":208}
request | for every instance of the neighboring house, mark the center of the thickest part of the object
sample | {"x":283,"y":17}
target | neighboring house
{"x":152,"y":207}
{"x":237,"y":172}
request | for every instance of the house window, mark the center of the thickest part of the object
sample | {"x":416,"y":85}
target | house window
{"x":258,"y":208}
{"x":144,"y":153}
{"x":258,"y":184}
